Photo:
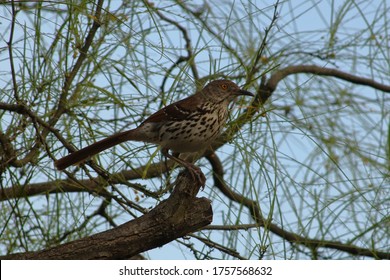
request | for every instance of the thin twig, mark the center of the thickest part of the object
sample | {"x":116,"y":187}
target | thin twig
{"x":83,"y":55}
{"x":209,"y":29}
{"x":10,"y":52}
{"x":255,"y":68}
{"x":219,"y":247}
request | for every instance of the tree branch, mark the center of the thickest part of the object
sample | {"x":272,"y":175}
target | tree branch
{"x":10,"y":52}
{"x":93,"y":185}
{"x":61,"y":106}
{"x":179,"y":215}
{"x":323,"y":71}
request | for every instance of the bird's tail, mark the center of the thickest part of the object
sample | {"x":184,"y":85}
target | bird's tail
{"x":95,"y":148}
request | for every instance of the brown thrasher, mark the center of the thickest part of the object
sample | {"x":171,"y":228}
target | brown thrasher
{"x":188,"y":125}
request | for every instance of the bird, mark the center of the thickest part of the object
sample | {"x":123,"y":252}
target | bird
{"x":186,"y":126}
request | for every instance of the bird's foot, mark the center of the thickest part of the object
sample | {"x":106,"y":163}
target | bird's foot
{"x":197,"y":174}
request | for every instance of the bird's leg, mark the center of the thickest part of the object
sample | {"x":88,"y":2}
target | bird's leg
{"x":194,"y":170}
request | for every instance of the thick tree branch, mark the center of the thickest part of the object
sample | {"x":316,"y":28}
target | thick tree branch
{"x":179,"y":215}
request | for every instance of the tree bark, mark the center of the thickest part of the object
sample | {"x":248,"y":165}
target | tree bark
{"x":180,"y":214}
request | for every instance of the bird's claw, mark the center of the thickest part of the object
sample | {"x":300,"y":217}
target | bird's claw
{"x":197,"y":175}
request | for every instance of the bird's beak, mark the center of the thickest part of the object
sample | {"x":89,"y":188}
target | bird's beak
{"x":244,"y":92}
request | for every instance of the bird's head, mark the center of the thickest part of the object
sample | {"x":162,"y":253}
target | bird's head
{"x":223,"y":90}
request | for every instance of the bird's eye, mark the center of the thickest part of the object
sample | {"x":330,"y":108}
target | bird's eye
{"x":224,"y":86}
